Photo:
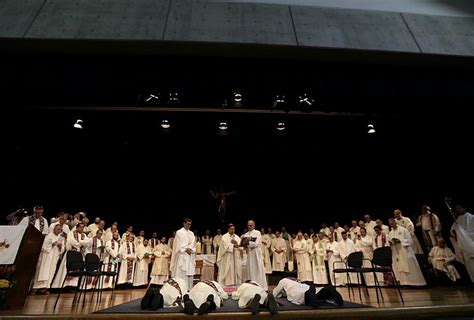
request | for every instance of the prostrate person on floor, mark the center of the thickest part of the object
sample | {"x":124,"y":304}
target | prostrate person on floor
{"x":205,"y":296}
{"x":252,"y":295}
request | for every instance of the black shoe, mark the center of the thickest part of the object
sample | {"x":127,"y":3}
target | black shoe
{"x":312,"y":300}
{"x":336,"y":296}
{"x":206,"y":306}
{"x":146,"y":300}
{"x":312,"y":288}
{"x":157,"y":302}
{"x":272,"y":304}
{"x":189,"y":306}
{"x":254,"y":305}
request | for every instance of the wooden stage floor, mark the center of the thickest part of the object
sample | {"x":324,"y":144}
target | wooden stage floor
{"x":436,"y":302}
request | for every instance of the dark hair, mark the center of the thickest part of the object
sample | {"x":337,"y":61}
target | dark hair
{"x":377,"y":228}
{"x":37,"y":208}
{"x":186,"y":220}
{"x":343,"y":232}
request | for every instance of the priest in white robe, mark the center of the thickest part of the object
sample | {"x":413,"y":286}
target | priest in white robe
{"x":440,"y":257}
{"x":216,"y":241}
{"x":140,"y":238}
{"x":462,"y":238}
{"x":405,"y":266}
{"x":279,"y":253}
{"x":128,"y":233}
{"x":302,"y":294}
{"x":354,"y":231}
{"x":128,"y":254}
{"x":100,"y":226}
{"x":207,"y":242}
{"x":183,"y":259}
{"x":346,"y":247}
{"x":229,"y":259}
{"x":154,"y":241}
{"x":324,"y":230}
{"x":410,"y":226}
{"x":161,"y":265}
{"x":76,"y":241}
{"x":109,"y":233}
{"x":53,"y":247}
{"x":300,"y":248}
{"x":252,"y":243}
{"x":171,"y":239}
{"x":95,"y":246}
{"x":364,"y":244}
{"x":37,"y":220}
{"x":430,"y":226}
{"x":380,"y":240}
{"x":266,"y":244}
{"x":111,"y":259}
{"x":62,"y":222}
{"x":334,"y":261}
{"x":142,"y":264}
{"x":369,"y":225}
{"x":385,"y":229}
{"x":338,"y":230}
{"x":318,"y":257}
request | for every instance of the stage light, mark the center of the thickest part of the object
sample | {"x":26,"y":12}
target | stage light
{"x":78,"y":124}
{"x":305,"y":102}
{"x":152,"y":97}
{"x":281,"y":126}
{"x":223,"y":126}
{"x":237,"y":97}
{"x":165,"y":124}
{"x":370,"y":129}
{"x":280,"y":99}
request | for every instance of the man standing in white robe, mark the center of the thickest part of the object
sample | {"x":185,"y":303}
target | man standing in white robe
{"x":143,"y":261}
{"x":111,"y":258}
{"x":37,"y":220}
{"x":318,"y":257}
{"x":379,"y":241}
{"x":279,"y":253}
{"x":338,"y":230}
{"x":127,"y":233}
{"x":462,"y":238}
{"x":405,"y":266}
{"x":369,"y":225}
{"x":229,"y":259}
{"x":346,"y":247}
{"x":430,"y":226}
{"x":266,"y":244}
{"x":62,"y":222}
{"x":161,"y":265}
{"x":354,"y":230}
{"x":334,"y":261}
{"x":300,"y":248}
{"x":207,"y":242}
{"x":183,"y":259}
{"x":53,"y":247}
{"x":364,"y":244}
{"x":128,"y":255}
{"x":408,"y":224}
{"x":385,"y":229}
{"x":252,"y":244}
{"x":216,"y":241}
{"x":100,"y":226}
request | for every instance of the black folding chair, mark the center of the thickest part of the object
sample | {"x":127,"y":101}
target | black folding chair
{"x":353,"y":265}
{"x":74,"y":269}
{"x":381,"y":263}
{"x":92,"y":273}
{"x":109,"y":273}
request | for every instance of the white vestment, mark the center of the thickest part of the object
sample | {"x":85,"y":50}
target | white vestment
{"x":317,"y":259}
{"x":440,"y":258}
{"x":127,"y":267}
{"x":229,"y":261}
{"x":279,"y":259}
{"x":216,"y":242}
{"x":161,"y":266}
{"x":142,"y":264}
{"x":266,"y":244}
{"x":65,"y":227}
{"x":74,"y":242}
{"x":293,"y":290}
{"x":111,"y":260}
{"x":365,"y":245}
{"x":354,"y":232}
{"x":48,"y":260}
{"x":173,"y":291}
{"x":369,"y":227}
{"x":408,"y":224}
{"x":300,"y":248}
{"x":345,"y":249}
{"x":462,"y":238}
{"x":183,"y":265}
{"x":405,"y":266}
{"x":95,"y":246}
{"x":339,"y":232}
{"x":430,"y":226}
{"x":247,"y":291}
{"x":333,"y":256}
{"x":206,"y":244}
{"x":255,"y":268}
{"x":202,"y":290}
{"x":41,"y":223}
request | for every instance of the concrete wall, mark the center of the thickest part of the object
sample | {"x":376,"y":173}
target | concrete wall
{"x":236,"y":23}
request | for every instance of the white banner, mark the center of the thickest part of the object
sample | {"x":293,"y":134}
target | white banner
{"x":10,"y":239}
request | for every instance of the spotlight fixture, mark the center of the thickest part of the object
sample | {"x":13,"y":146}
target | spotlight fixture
{"x":305,"y":102}
{"x":223,"y":126}
{"x":281,"y":126}
{"x":370,"y":129}
{"x":165,"y":124}
{"x":152,"y":97}
{"x":78,"y":124}
{"x":237,"y":97}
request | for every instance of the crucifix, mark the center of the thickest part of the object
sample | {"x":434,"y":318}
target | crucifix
{"x":222,"y":203}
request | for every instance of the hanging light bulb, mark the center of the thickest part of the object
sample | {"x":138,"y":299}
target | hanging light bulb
{"x":223,"y":126}
{"x":165,"y":124}
{"x":370,"y":129}
{"x":78,"y":124}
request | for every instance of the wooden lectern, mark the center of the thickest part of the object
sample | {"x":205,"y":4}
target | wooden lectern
{"x":25,"y":267}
